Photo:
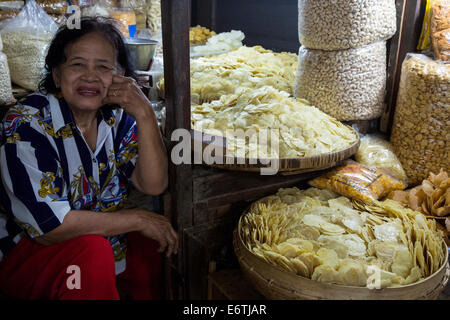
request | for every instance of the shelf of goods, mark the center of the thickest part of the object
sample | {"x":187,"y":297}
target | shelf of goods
{"x":205,"y":202}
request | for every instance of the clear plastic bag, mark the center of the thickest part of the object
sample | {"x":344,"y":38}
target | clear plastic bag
{"x":56,"y":7}
{"x":420,"y":132}
{"x":25,"y":42}
{"x":5,"y":81}
{"x":376,"y":152}
{"x":440,"y":29}
{"x":344,"y":24}
{"x":358,"y":181}
{"x":346,"y":84}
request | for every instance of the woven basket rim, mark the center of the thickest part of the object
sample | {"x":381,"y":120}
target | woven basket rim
{"x":239,"y":245}
{"x":331,"y":158}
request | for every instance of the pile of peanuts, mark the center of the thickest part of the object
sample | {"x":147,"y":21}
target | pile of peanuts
{"x":5,"y":80}
{"x":342,"y":60}
{"x":345,"y":24}
{"x":421,"y":130}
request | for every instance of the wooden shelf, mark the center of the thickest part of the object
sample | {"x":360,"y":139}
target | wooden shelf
{"x":231,"y":285}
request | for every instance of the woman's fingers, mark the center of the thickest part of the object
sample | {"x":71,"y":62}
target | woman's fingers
{"x":173,"y":242}
{"x":160,"y":229}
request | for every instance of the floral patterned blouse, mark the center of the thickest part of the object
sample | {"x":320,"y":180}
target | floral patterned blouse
{"x":47,"y":168}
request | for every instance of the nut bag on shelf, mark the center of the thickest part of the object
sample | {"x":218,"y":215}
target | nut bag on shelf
{"x":55,"y":7}
{"x":440,"y":29}
{"x":421,"y":128}
{"x":346,"y":84}
{"x":10,"y":9}
{"x":345,"y":24}
{"x":376,"y":152}
{"x":357,"y":181}
{"x":25,"y":42}
{"x":5,"y":80}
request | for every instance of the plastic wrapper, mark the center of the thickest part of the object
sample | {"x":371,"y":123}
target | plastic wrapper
{"x":338,"y":82}
{"x":127,"y":21}
{"x":154,"y":16}
{"x":60,"y":20}
{"x":55,"y":7}
{"x":25,"y":42}
{"x":95,"y":10}
{"x":8,"y":14}
{"x":421,"y":127}
{"x":431,"y":197}
{"x":376,"y":152}
{"x":5,"y":81}
{"x":358,"y":181}
{"x":140,"y":10}
{"x":10,"y":9}
{"x":344,"y":24}
{"x":440,"y":29}
{"x":425,"y":39}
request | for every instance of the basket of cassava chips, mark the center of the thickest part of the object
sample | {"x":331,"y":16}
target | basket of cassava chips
{"x":316,"y":244}
{"x":264,"y":127}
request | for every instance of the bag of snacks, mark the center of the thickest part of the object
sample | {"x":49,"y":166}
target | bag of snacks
{"x":357,"y":181}
{"x":337,"y":82}
{"x":432,"y":197}
{"x":5,"y":80}
{"x":420,"y":132}
{"x":25,"y":41}
{"x":376,"y":152}
{"x":440,"y":29}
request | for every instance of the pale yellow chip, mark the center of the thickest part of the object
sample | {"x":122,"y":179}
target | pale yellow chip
{"x":325,"y":273}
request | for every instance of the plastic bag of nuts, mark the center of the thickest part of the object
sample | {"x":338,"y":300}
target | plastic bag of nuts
{"x":344,"y":24}
{"x":25,"y":41}
{"x":5,"y":81}
{"x":346,"y":84}
{"x":421,"y":129}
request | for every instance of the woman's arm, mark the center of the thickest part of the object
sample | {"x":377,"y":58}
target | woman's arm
{"x":150,"y":174}
{"x":81,"y":222}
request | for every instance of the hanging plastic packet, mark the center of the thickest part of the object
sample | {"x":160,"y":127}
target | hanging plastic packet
{"x":127,"y":20}
{"x":26,"y":38}
{"x":424,"y":39}
{"x":357,"y":181}
{"x":376,"y":152}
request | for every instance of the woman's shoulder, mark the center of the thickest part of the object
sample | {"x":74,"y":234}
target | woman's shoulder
{"x":24,"y":114}
{"x":32,"y":105}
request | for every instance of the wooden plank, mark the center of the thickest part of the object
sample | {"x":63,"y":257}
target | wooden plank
{"x":409,"y":23}
{"x":223,"y":187}
{"x":232,"y":285}
{"x":175,"y":17}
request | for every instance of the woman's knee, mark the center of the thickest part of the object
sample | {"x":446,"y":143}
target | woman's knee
{"x":94,"y":248}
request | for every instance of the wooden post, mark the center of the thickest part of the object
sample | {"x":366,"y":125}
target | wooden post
{"x":409,"y":23}
{"x":175,"y":16}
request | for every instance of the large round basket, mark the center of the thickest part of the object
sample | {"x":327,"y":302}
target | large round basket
{"x":276,"y":284}
{"x":204,"y":145}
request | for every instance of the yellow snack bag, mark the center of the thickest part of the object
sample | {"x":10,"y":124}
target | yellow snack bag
{"x":357,"y":181}
{"x":425,"y":39}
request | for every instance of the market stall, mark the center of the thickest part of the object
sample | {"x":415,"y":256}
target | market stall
{"x":207,"y":203}
{"x":361,"y":150}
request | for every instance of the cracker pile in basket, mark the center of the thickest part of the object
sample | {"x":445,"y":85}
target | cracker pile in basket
{"x":300,"y":130}
{"x":319,"y":235}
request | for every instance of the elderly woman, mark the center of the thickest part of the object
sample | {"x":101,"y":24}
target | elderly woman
{"x":67,"y":157}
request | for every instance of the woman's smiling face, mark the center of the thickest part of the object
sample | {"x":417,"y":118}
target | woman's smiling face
{"x":85,"y":76}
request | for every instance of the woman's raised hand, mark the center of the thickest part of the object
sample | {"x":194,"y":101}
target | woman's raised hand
{"x":125,"y":92}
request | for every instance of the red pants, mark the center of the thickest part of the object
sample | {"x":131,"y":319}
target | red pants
{"x":34,"y":271}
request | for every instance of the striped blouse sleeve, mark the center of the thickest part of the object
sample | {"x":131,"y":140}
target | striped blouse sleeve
{"x":32,"y":178}
{"x":126,"y":146}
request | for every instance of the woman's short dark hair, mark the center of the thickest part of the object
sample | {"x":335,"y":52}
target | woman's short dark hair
{"x":56,"y":54}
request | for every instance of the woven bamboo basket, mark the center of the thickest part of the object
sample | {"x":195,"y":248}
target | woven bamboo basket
{"x":285,"y":166}
{"x":276,"y":284}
